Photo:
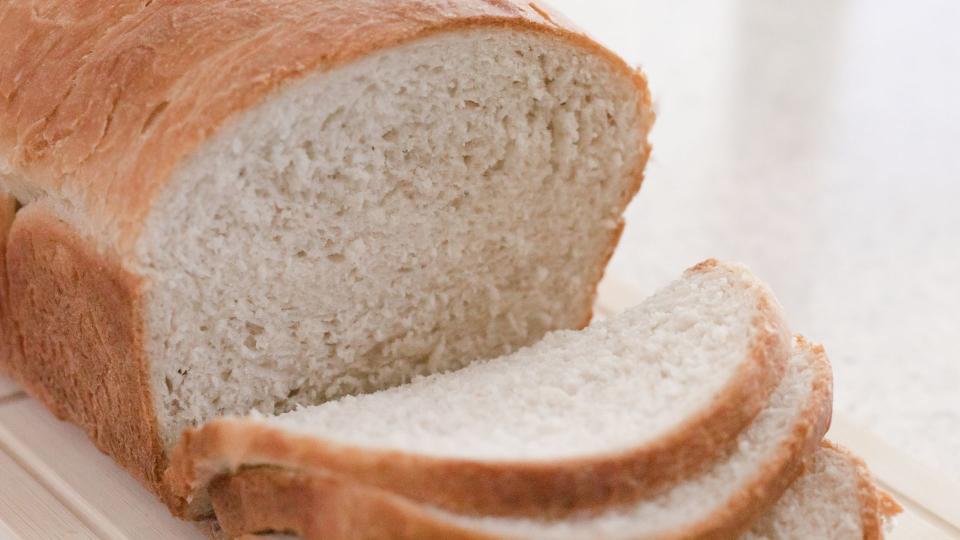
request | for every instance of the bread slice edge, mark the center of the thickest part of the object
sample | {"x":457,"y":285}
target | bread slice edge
{"x":315,"y":505}
{"x":552,"y":487}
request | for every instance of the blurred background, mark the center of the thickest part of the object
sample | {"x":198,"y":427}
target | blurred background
{"x":818,"y":142}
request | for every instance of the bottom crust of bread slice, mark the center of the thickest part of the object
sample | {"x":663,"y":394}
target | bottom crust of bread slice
{"x":835,"y":499}
{"x":721,"y":501}
{"x":579,"y":421}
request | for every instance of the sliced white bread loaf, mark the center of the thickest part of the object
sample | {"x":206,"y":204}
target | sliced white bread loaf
{"x":581,"y":419}
{"x":257,"y":205}
{"x":720,"y":501}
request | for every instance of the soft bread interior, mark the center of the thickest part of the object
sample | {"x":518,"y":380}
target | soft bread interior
{"x":445,"y":200}
{"x":836,"y":498}
{"x":619,"y":384}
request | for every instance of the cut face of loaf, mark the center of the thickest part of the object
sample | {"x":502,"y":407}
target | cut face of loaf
{"x":720,"y":501}
{"x":316,"y":199}
{"x":580,"y":420}
{"x":835,"y":499}
{"x":448,"y":200}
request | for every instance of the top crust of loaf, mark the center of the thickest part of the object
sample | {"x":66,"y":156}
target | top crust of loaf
{"x":101,"y":101}
{"x":554,"y":487}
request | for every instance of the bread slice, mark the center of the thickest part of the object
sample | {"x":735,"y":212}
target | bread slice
{"x":835,"y":499}
{"x":720,"y":501}
{"x":313,"y":200}
{"x":581,"y":419}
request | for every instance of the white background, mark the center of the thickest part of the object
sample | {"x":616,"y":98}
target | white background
{"x":818,"y":142}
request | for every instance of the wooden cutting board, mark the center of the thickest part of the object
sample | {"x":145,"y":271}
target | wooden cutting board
{"x":54,"y":484}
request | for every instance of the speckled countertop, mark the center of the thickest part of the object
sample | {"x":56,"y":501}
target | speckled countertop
{"x":818,"y":142}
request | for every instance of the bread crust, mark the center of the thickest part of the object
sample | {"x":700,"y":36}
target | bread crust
{"x":316,"y":506}
{"x":101,"y":101}
{"x":104,"y":100}
{"x":552,"y":488}
{"x":81,"y":339}
{"x":313,"y":505}
{"x":9,"y":345}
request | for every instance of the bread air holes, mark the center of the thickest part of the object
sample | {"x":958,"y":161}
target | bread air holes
{"x":309,"y":148}
{"x":253,"y":330}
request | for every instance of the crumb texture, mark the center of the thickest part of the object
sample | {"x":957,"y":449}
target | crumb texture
{"x":614,"y":386}
{"x":823,"y":503}
{"x":450,"y":199}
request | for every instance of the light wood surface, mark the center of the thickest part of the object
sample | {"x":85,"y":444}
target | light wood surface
{"x":7,"y":388}
{"x":31,"y":512}
{"x":931,"y":500}
{"x":85,"y":481}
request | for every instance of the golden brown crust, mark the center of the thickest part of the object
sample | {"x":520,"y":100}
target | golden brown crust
{"x":9,"y":342}
{"x":101,"y":102}
{"x":320,"y":506}
{"x":78,"y":315}
{"x":312,"y":506}
{"x":549,"y":488}
{"x":888,"y":508}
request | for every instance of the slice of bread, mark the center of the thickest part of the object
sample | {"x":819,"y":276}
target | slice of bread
{"x":581,"y":419}
{"x":835,"y":499}
{"x":247,"y":205}
{"x":720,"y":501}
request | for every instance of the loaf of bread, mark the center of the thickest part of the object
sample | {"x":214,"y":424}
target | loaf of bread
{"x":233,"y":206}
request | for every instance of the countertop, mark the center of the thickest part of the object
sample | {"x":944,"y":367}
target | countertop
{"x":819,"y":143}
